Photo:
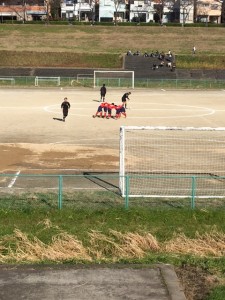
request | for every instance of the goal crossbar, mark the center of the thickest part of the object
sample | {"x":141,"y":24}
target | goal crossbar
{"x":12,"y":80}
{"x":45,"y":78}
{"x":131,"y":73}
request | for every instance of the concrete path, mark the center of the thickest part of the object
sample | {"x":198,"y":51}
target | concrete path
{"x":158,"y":282}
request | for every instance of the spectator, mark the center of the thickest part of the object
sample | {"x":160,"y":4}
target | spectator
{"x":194,"y":50}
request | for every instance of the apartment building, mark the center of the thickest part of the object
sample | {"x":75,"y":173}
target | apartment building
{"x":209,"y":11}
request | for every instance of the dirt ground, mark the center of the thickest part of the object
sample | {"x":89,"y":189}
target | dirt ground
{"x":33,"y":139}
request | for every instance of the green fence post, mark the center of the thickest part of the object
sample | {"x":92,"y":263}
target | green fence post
{"x":127,"y":185}
{"x":193,"y":191}
{"x":60,"y":192}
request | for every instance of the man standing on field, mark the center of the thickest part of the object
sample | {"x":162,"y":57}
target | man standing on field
{"x":103,"y":92}
{"x":65,"y":106}
{"x":125,"y":98}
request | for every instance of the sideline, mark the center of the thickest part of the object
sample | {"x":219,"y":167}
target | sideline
{"x":12,"y":182}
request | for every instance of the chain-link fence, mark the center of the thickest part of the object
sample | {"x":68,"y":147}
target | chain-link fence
{"x":31,"y":81}
{"x":104,"y":191}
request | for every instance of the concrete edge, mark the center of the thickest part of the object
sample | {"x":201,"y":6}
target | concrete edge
{"x":175,"y":290}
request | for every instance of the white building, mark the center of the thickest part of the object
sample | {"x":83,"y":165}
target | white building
{"x":81,"y":10}
{"x":112,"y":10}
{"x":141,"y":10}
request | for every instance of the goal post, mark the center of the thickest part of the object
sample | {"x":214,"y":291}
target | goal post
{"x":164,"y":161}
{"x":47,"y":80}
{"x":114,"y":78}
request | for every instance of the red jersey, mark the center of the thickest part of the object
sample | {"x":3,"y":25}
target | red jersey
{"x":103,"y":104}
{"x":111,"y":106}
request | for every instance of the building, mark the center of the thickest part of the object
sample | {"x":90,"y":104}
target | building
{"x":80,"y":10}
{"x":141,"y":11}
{"x":112,"y":10}
{"x":209,"y":11}
{"x":158,"y":11}
{"x":26,"y":11}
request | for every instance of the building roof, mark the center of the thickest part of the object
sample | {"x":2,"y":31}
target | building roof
{"x":36,"y":9}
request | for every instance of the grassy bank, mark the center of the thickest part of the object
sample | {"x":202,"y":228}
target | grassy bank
{"x":97,"y":60}
{"x":201,"y":62}
{"x":193,"y":241}
{"x":59,"y":59}
{"x":168,"y":233}
{"x":103,"y":46}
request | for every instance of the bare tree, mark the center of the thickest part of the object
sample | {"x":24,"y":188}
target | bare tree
{"x":117,"y":5}
{"x":159,"y":10}
{"x":186,"y":6}
{"x":93,"y":4}
{"x":18,"y":7}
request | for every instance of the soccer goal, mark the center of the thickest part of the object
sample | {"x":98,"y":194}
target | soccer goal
{"x":47,"y":81}
{"x":4,"y":80}
{"x":167,"y":161}
{"x":114,"y":78}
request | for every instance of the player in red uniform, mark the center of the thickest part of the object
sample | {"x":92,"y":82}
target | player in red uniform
{"x":99,"y":110}
{"x":120,"y":110}
{"x":110,"y":107}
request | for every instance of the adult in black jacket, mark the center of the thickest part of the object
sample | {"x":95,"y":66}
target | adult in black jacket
{"x":103,"y":93}
{"x":65,"y":108}
{"x":125,"y":97}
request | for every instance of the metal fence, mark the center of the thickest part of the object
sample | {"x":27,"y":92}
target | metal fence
{"x":95,"y":191}
{"x":30,"y":81}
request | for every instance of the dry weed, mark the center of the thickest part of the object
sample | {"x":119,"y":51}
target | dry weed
{"x":114,"y":246}
{"x":208,"y":244}
{"x":63,"y":247}
{"x":118,"y":245}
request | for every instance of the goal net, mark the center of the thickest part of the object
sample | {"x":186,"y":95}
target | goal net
{"x":114,"y":78}
{"x":164,"y":161}
{"x":47,"y":81}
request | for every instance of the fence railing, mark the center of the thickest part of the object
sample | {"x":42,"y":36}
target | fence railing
{"x":103,"y":191}
{"x":29,"y":81}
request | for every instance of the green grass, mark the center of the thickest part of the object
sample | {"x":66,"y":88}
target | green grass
{"x":55,"y":59}
{"x":217,"y":293}
{"x":201,"y":61}
{"x":162,"y":223}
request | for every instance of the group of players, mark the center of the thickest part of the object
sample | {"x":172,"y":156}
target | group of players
{"x":105,"y":109}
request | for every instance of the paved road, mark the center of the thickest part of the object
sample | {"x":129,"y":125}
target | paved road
{"x":158,"y":282}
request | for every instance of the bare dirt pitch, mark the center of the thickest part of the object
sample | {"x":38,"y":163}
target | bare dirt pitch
{"x":32,"y":141}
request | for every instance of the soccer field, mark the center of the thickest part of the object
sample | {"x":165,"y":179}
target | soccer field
{"x":33,"y":140}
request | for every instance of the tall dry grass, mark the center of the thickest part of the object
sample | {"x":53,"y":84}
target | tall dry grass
{"x":114,"y":246}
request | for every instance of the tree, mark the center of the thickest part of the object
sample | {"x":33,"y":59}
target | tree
{"x":54,"y":8}
{"x":18,"y":7}
{"x":117,"y":5}
{"x":186,"y":6}
{"x":223,"y":12}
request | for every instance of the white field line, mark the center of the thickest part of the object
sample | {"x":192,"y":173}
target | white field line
{"x":14,"y":180}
